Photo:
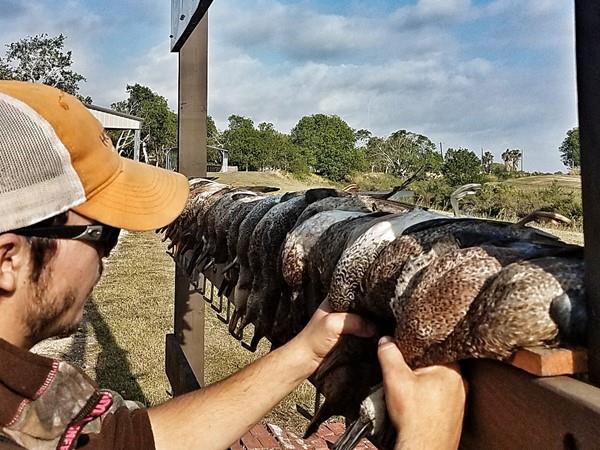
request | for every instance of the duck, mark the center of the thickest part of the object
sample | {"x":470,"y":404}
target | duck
{"x":196,"y":186}
{"x":234,"y":218}
{"x":297,"y":248}
{"x":267,"y":239}
{"x":363,"y":248}
{"x":245,"y":276}
{"x":335,"y":386}
{"x":381,"y":277}
{"x":342,"y":203}
{"x":182,"y":232}
{"x":216,"y":220}
{"x":429,"y":302}
{"x":495,"y":301}
{"x":327,"y":251}
{"x":537,"y":302}
{"x":200,"y":228}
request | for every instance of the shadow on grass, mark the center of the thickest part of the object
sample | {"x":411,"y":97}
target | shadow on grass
{"x":112,"y":366}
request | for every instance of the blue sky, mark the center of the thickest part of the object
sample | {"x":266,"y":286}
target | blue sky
{"x":467,"y":73}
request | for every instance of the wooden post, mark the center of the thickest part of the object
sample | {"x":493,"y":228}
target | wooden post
{"x":587,"y":34}
{"x":185,"y":350}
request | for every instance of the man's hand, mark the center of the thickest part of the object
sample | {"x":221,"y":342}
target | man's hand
{"x":426,"y":406}
{"x":323,"y":332}
{"x":215,"y":416}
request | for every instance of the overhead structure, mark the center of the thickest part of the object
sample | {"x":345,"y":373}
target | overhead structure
{"x":224,"y":157}
{"x":185,"y":17}
{"x":115,"y":120}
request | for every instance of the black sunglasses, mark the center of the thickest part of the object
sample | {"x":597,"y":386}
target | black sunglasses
{"x":103,"y":237}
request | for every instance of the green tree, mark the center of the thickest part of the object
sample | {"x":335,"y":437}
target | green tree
{"x":213,"y":138}
{"x":570,"y":154}
{"x":487,"y":160}
{"x":241,"y":139}
{"x":512,"y":159}
{"x":461,"y":166}
{"x":159,"y":129}
{"x":41,"y":59}
{"x":362,"y":137}
{"x":403,"y":153}
{"x":375,"y":154}
{"x":328,"y":145}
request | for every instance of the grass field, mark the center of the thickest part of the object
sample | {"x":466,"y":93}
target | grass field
{"x":283,"y":181}
{"x":289,"y":183}
{"x":569,"y":182}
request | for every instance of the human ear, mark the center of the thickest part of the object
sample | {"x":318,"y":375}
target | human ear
{"x":13,"y":257}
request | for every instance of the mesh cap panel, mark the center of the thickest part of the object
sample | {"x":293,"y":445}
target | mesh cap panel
{"x":37,"y":180}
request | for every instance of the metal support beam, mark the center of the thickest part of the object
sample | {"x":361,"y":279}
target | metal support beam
{"x":136,"y":145}
{"x":225,"y":163}
{"x":189,"y":305}
{"x":587,"y":35}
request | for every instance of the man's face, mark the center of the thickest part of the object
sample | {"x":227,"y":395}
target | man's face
{"x":56,"y":301}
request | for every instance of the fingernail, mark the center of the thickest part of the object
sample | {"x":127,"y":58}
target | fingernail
{"x":385,"y":340}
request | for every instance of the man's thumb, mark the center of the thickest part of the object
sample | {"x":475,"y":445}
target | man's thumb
{"x":391,"y":359}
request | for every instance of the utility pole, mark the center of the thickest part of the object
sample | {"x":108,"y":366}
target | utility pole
{"x":441,"y":151}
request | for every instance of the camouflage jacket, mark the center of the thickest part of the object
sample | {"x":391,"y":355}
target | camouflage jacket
{"x":49,"y":404}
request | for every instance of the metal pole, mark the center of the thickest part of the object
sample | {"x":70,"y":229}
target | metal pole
{"x":136,"y":145}
{"x":587,"y":37}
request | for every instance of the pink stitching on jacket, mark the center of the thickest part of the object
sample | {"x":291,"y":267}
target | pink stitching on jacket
{"x":70,"y":436}
{"x":49,"y":379}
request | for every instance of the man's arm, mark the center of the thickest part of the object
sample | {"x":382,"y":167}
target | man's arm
{"x":214,"y":417}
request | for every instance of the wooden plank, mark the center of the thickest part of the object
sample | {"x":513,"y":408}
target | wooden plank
{"x":551,"y":361}
{"x":179,"y":372}
{"x":193,"y":76}
{"x":509,"y":409}
{"x":587,"y":34}
{"x":189,"y":305}
{"x":189,"y":323}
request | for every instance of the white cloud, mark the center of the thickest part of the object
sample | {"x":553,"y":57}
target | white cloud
{"x":421,"y":77}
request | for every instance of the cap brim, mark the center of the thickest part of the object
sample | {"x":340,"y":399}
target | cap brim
{"x":141,"y":197}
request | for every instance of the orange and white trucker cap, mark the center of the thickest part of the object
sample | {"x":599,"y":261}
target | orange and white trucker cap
{"x":55,"y":156}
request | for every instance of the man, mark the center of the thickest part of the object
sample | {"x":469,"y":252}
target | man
{"x":64,"y":195}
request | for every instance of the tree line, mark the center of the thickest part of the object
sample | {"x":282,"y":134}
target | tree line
{"x":326,"y":145}
{"x":322,"y":144}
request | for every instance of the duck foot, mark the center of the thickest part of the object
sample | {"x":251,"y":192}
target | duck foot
{"x":233,"y":324}
{"x":223,"y":288}
{"x":253,"y":345}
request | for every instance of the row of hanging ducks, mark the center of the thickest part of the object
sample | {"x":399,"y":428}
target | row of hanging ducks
{"x":446,"y":288}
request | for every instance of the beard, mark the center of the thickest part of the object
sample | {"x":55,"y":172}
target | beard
{"x":47,"y":314}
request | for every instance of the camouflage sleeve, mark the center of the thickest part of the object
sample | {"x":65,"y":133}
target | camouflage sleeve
{"x":120,"y":430}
